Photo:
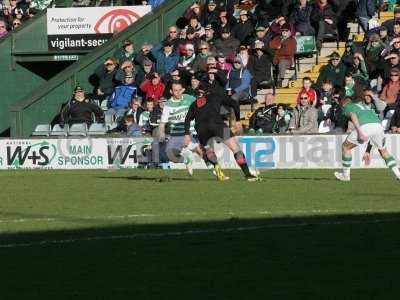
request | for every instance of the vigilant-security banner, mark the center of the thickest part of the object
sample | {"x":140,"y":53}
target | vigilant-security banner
{"x":85,"y":28}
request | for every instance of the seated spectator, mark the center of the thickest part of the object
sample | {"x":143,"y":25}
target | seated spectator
{"x":209,"y":37}
{"x":153,"y":88}
{"x":312,"y":94}
{"x":194,"y":11}
{"x":194,"y":84}
{"x":326,"y":93}
{"x":16,"y":23}
{"x":187,"y":58}
{"x":144,"y":119}
{"x":348,"y":55}
{"x":373,"y":56}
{"x":264,"y":117}
{"x":166,"y":59}
{"x":305,"y":117}
{"x":227,"y":44}
{"x":197,"y":27}
{"x":144,"y":54}
{"x":200,"y":62}
{"x":191,"y":38}
{"x":126,"y":53}
{"x":285,"y":48}
{"x":173,"y":37}
{"x":216,"y":81}
{"x":277,"y":27}
{"x":121,"y":98}
{"x":263,"y":36}
{"x":80,"y":110}
{"x":260,"y":67}
{"x":239,"y":81}
{"x":384,"y":36}
{"x":365,"y":11}
{"x":3,"y":29}
{"x":132,"y":128}
{"x":144,"y":72}
{"x":351,"y":86}
{"x":323,"y":19}
{"x":135,"y":109}
{"x":222,"y":64}
{"x":335,"y":115}
{"x":359,"y":69}
{"x":244,"y":55}
{"x":333,"y":71}
{"x":243,"y":29}
{"x":395,"y":120}
{"x":125,"y":70}
{"x":392,"y":61}
{"x":372,"y":101}
{"x":391,"y":89}
{"x":301,"y":18}
{"x":224,"y":24}
{"x":396,"y":31}
{"x":389,"y":24}
{"x":106,"y":78}
{"x":282,"y":119}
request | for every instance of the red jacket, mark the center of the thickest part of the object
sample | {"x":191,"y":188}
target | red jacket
{"x":284,"y":49}
{"x":152,"y":91}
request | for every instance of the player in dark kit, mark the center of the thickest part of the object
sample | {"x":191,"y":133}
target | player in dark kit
{"x":209,"y":124}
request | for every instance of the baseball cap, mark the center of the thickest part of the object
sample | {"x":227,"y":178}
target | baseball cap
{"x":260,"y":28}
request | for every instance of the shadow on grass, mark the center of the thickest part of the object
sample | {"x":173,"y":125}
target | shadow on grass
{"x":325,"y":257}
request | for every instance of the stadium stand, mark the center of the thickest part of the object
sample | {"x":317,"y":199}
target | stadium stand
{"x":241,"y":43}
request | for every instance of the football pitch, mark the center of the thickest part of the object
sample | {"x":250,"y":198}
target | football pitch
{"x":154,"y":234}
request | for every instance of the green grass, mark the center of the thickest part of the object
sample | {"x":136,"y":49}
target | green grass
{"x":160,"y":235}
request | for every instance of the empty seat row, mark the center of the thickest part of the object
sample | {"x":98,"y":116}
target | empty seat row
{"x":80,"y":129}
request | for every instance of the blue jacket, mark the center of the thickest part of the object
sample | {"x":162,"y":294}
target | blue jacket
{"x":164,"y":64}
{"x":245,"y":80}
{"x":122,"y":96}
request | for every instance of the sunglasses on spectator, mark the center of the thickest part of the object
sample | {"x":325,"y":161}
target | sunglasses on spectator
{"x":203,"y":48}
{"x":109,"y":64}
{"x":304,"y":98}
{"x":16,"y":23}
{"x":394,"y":75}
{"x":172,"y":32}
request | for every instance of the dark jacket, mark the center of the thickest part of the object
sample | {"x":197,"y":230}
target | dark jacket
{"x":301,"y":18}
{"x":228,"y":47}
{"x":243,"y":31}
{"x":334,"y":74}
{"x":81,"y":112}
{"x":321,"y":14}
{"x":106,"y":81}
{"x":260,"y":67}
{"x":264,"y":118}
{"x":395,"y":121}
{"x":366,"y":8}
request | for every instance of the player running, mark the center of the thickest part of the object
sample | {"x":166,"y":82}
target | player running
{"x":174,"y":114}
{"x":209,"y":124}
{"x":367,"y":128}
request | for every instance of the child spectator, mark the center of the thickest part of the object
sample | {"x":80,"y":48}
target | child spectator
{"x":282,"y":119}
{"x":312,"y":94}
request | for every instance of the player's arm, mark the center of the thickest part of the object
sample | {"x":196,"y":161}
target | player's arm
{"x":161,"y":128}
{"x":226,"y":101}
{"x":367,"y":155}
{"x":189,"y":117}
{"x":354,"y":119}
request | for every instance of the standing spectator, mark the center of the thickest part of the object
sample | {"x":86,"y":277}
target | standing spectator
{"x":210,"y":16}
{"x":301,"y":18}
{"x":263,"y":119}
{"x":153,"y":88}
{"x":260,"y":67}
{"x":323,"y":19}
{"x":80,"y":109}
{"x":239,"y":81}
{"x":166,"y":59}
{"x":227,"y":44}
{"x":285,"y":48}
{"x":3,"y":29}
{"x":305,"y":117}
{"x":106,"y":78}
{"x":126,"y":53}
{"x":307,"y":89}
{"x":243,"y":30}
{"x":333,"y":71}
{"x":365,"y":11}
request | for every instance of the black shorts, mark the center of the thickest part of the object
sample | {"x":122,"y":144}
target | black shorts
{"x":209,"y":131}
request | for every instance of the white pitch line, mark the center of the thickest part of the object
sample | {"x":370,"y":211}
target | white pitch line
{"x":150,"y":235}
{"x":184,"y":214}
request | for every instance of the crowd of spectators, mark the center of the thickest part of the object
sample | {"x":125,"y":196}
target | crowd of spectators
{"x":237,"y":48}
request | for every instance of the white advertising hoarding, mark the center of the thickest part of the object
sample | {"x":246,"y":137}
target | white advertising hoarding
{"x":264,"y":152}
{"x":82,"y":28}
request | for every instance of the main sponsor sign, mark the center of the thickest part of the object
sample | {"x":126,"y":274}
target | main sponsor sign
{"x":263,"y":152}
{"x":86,"y":28}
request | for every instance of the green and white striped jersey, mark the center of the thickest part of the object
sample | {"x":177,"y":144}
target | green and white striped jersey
{"x":174,"y":113}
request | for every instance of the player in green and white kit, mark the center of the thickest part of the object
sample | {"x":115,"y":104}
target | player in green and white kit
{"x":367,"y":128}
{"x":174,"y":113}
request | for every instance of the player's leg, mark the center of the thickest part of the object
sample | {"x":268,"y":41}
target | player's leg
{"x":347,"y":147}
{"x":378,"y":140}
{"x":240,"y":158}
{"x":209,"y":156}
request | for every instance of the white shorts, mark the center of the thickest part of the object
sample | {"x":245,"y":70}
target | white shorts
{"x":375,"y":133}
